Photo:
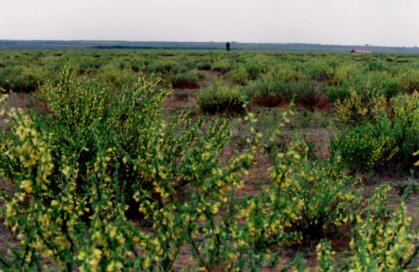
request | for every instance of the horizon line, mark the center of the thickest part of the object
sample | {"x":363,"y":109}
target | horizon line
{"x":237,"y":42}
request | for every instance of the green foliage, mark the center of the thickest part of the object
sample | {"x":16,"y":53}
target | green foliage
{"x":383,"y":140}
{"x":376,"y":64}
{"x":254,"y":69}
{"x":219,"y":98}
{"x":83,"y":169}
{"x":318,"y":70}
{"x":162,"y":67}
{"x":382,"y":246}
{"x":303,"y":91}
{"x":366,"y":146}
{"x":101,"y":178}
{"x":410,"y":80}
{"x":222,"y":66}
{"x":378,"y":83}
{"x":239,"y":75}
{"x":22,"y":78}
{"x":187,"y":79}
{"x":406,"y":127}
{"x":381,"y":240}
{"x":116,"y":76}
{"x":323,"y":199}
{"x":359,"y":108}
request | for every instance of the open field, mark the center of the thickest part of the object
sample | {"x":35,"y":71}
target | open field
{"x":164,"y":160}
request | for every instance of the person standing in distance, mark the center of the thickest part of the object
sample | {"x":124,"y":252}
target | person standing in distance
{"x":228,"y":46}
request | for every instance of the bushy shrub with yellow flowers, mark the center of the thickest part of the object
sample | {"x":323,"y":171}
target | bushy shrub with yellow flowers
{"x":406,"y":127}
{"x":321,"y":193}
{"x":366,"y":146}
{"x":360,"y":107}
{"x":103,"y":182}
{"x":382,"y":240}
{"x":391,"y":139}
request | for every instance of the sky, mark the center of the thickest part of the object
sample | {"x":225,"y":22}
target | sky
{"x":350,"y":22}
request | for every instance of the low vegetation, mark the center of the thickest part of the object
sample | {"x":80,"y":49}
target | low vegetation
{"x":106,"y":172}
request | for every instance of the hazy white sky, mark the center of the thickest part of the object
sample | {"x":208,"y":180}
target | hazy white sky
{"x":378,"y":22}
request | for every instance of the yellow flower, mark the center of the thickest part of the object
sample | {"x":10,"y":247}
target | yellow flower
{"x":26,"y":185}
{"x":114,"y":266}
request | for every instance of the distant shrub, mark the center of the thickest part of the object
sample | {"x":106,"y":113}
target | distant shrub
{"x":375,"y":64}
{"x":306,"y":92}
{"x":287,"y":72}
{"x":187,"y":79}
{"x":370,"y":83}
{"x":254,"y":69}
{"x":221,"y":98}
{"x":23,"y":78}
{"x":318,"y":70}
{"x":116,"y":76}
{"x":239,"y":75}
{"x":392,"y":86}
{"x":346,"y":71}
{"x":270,"y":88}
{"x":87,"y":67}
{"x":410,"y":80}
{"x":162,"y":67}
{"x":337,"y":92}
{"x":203,"y":65}
{"x":222,"y":66}
{"x":310,"y":93}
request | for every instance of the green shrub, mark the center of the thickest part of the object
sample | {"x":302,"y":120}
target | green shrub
{"x":239,"y":75}
{"x":100,"y":157}
{"x":308,"y":93}
{"x":187,"y":79}
{"x":220,"y":98}
{"x":115,"y":76}
{"x":386,"y":139}
{"x":371,"y":84}
{"x":162,"y":67}
{"x":306,"y":201}
{"x":203,"y":65}
{"x":23,"y":78}
{"x":376,"y":64}
{"x":410,"y":80}
{"x":302,"y":91}
{"x":222,"y":66}
{"x":366,"y":146}
{"x":254,"y":69}
{"x":269,"y":88}
{"x":360,"y":107}
{"x":346,"y":72}
{"x":323,"y":193}
{"x":337,"y":93}
{"x":381,"y":240}
{"x":88,"y":67}
{"x":318,"y":70}
{"x":405,"y":128}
